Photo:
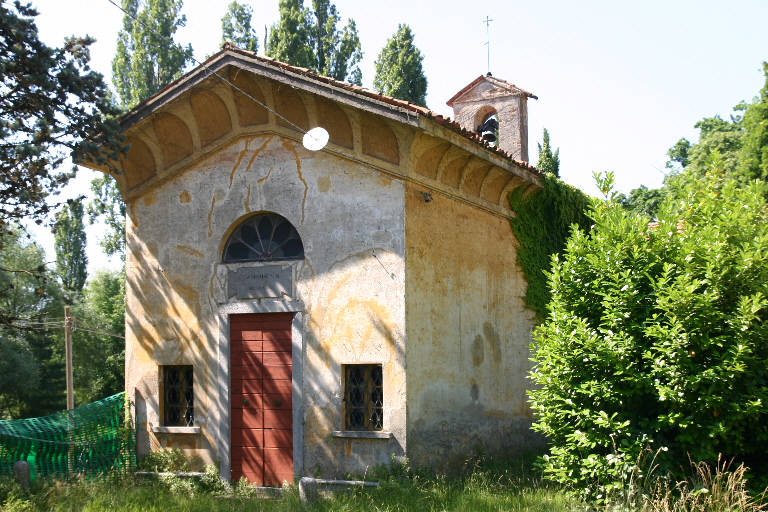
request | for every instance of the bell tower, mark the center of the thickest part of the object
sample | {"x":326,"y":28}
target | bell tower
{"x":496,"y":110}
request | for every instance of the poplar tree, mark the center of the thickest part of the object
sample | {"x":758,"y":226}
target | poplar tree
{"x":69,"y":244}
{"x":549,"y":161}
{"x":146,"y":60}
{"x":236,"y":27}
{"x":398,"y":69}
{"x":147,"y":57}
{"x":311,"y":38}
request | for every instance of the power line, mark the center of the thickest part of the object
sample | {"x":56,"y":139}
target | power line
{"x":209,"y":70}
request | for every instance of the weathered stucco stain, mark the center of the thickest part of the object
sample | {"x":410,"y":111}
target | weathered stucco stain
{"x":189,"y":250}
{"x":257,"y":152}
{"x":323,"y":183}
{"x":210,"y":216}
{"x":292,"y":148}
{"x":456,"y":389}
{"x":237,"y":162}
{"x":265,"y":177}
{"x":184,"y":197}
{"x":247,"y":200}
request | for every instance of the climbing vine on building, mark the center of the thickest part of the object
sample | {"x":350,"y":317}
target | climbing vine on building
{"x":542,"y":224}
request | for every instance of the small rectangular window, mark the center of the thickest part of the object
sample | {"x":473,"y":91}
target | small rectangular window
{"x":363,"y":397}
{"x":178,"y":396}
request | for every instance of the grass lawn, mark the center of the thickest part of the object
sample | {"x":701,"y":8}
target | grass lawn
{"x":501,"y":485}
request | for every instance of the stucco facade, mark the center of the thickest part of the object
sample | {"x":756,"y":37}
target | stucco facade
{"x":408,"y":263}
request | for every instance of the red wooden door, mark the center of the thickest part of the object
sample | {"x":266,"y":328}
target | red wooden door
{"x":260,"y":370}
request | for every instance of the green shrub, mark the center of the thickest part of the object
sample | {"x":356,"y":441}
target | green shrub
{"x":656,"y":337}
{"x":172,"y":459}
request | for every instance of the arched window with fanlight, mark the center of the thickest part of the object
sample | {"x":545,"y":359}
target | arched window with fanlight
{"x":264,"y":237}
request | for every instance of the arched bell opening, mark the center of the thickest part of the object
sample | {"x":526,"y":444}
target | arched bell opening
{"x":488,"y":126}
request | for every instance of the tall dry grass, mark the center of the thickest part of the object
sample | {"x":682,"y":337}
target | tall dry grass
{"x":718,"y":488}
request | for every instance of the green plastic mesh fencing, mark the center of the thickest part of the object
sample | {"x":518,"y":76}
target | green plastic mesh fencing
{"x":90,"y":439}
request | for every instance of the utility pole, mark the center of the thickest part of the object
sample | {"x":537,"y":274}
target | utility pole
{"x":68,"y":354}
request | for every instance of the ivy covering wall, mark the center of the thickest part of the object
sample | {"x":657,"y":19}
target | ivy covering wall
{"x":542,"y":224}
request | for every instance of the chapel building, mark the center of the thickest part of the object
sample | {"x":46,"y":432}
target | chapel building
{"x":293,"y":312}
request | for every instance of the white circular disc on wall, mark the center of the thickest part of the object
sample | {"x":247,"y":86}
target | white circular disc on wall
{"x":315,"y":139}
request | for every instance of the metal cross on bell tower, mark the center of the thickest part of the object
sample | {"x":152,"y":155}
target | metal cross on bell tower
{"x":487,"y":22}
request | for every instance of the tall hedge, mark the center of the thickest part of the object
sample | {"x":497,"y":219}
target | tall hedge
{"x":656,"y":337}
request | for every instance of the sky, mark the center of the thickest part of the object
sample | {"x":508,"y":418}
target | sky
{"x":618,"y":82}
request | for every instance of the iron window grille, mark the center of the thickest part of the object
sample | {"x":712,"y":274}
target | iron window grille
{"x":264,"y":237}
{"x":363,"y":397}
{"x":178,"y":396}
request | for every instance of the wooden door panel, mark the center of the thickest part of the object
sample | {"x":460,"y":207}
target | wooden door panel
{"x":277,"y":386}
{"x":251,"y":372}
{"x":277,"y":346}
{"x":277,"y":372}
{"x":278,"y":466}
{"x":248,"y":386}
{"x":247,"y":418}
{"x":247,"y":401}
{"x":248,"y":437}
{"x":276,"y":401}
{"x":277,"y":418}
{"x":261,"y":397}
{"x":276,"y":358}
{"x":274,"y":438}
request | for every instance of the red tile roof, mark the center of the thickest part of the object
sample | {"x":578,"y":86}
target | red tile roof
{"x":355,"y":89}
{"x":495,"y":81}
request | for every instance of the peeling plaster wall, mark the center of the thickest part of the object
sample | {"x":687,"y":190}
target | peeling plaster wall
{"x":352,"y":303}
{"x":468,"y":334}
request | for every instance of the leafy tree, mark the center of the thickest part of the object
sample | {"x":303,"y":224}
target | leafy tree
{"x":720,"y":140}
{"x":31,"y":363}
{"x":71,"y":261}
{"x":398,"y":69}
{"x":52,"y":107}
{"x":643,"y":200}
{"x":679,"y":154}
{"x":108,"y":203}
{"x":98,"y":358}
{"x":754,"y":156}
{"x":549,"y":161}
{"x":236,"y":27}
{"x":655,"y":337}
{"x":147,"y":58}
{"x":310,"y":38}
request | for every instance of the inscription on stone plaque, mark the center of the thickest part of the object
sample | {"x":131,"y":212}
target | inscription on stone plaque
{"x":260,"y":282}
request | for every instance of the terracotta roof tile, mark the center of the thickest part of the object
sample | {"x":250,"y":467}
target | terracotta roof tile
{"x":356,"y":89}
{"x":496,"y":81}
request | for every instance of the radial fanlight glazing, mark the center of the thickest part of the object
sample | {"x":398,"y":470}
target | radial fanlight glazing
{"x":264,"y":237}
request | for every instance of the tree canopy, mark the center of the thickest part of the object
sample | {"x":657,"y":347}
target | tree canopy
{"x":69,"y":244}
{"x":52,"y":107}
{"x":311,"y":38}
{"x":147,"y":58}
{"x":398,"y":68}
{"x":549,"y":161}
{"x":236,"y":27}
{"x":655,"y":336}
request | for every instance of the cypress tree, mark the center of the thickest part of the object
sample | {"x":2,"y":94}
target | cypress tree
{"x":398,"y":68}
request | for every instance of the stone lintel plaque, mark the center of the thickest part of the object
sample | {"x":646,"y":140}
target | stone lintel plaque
{"x":260,"y":282}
